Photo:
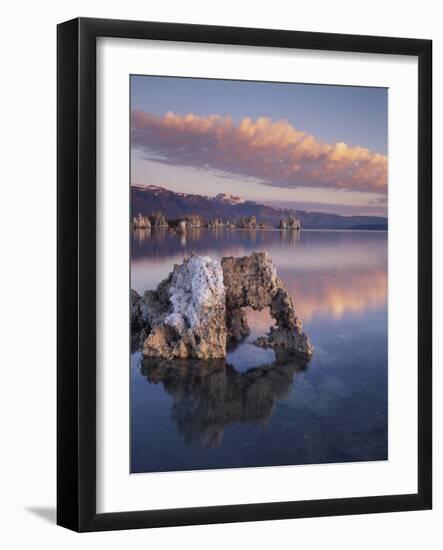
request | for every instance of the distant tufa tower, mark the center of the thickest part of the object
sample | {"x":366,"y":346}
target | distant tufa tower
{"x":159,"y":220}
{"x":249,"y":222}
{"x":292,"y":223}
{"x":141,"y":222}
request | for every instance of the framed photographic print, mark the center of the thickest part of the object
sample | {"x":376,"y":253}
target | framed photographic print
{"x":244,"y":274}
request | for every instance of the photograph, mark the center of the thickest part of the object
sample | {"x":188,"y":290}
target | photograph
{"x":258,"y":274}
{"x":224,"y":235}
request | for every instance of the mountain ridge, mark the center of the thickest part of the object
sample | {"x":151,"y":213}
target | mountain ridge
{"x":149,"y":199}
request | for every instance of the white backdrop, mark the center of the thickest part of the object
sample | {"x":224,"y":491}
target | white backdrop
{"x":28,"y":276}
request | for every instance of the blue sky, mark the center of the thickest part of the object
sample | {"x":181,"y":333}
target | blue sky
{"x":183,"y":161}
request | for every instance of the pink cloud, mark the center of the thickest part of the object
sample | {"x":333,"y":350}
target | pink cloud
{"x":273,"y":152}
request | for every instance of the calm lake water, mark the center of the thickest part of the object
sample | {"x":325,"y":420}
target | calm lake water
{"x":248,"y":410}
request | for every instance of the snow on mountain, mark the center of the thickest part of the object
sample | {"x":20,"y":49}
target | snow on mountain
{"x":227,"y":198}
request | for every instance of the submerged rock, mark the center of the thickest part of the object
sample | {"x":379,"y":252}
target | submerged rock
{"x":285,"y":342}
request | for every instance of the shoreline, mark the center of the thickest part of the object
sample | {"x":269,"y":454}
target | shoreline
{"x":305,"y":229}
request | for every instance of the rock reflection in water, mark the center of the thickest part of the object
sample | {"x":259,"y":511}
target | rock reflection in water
{"x":210,"y":395}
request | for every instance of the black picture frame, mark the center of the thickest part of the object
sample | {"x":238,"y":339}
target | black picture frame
{"x":76,"y":265}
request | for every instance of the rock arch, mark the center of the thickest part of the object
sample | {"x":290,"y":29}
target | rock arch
{"x":199,"y":307}
{"x":253,"y":281}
